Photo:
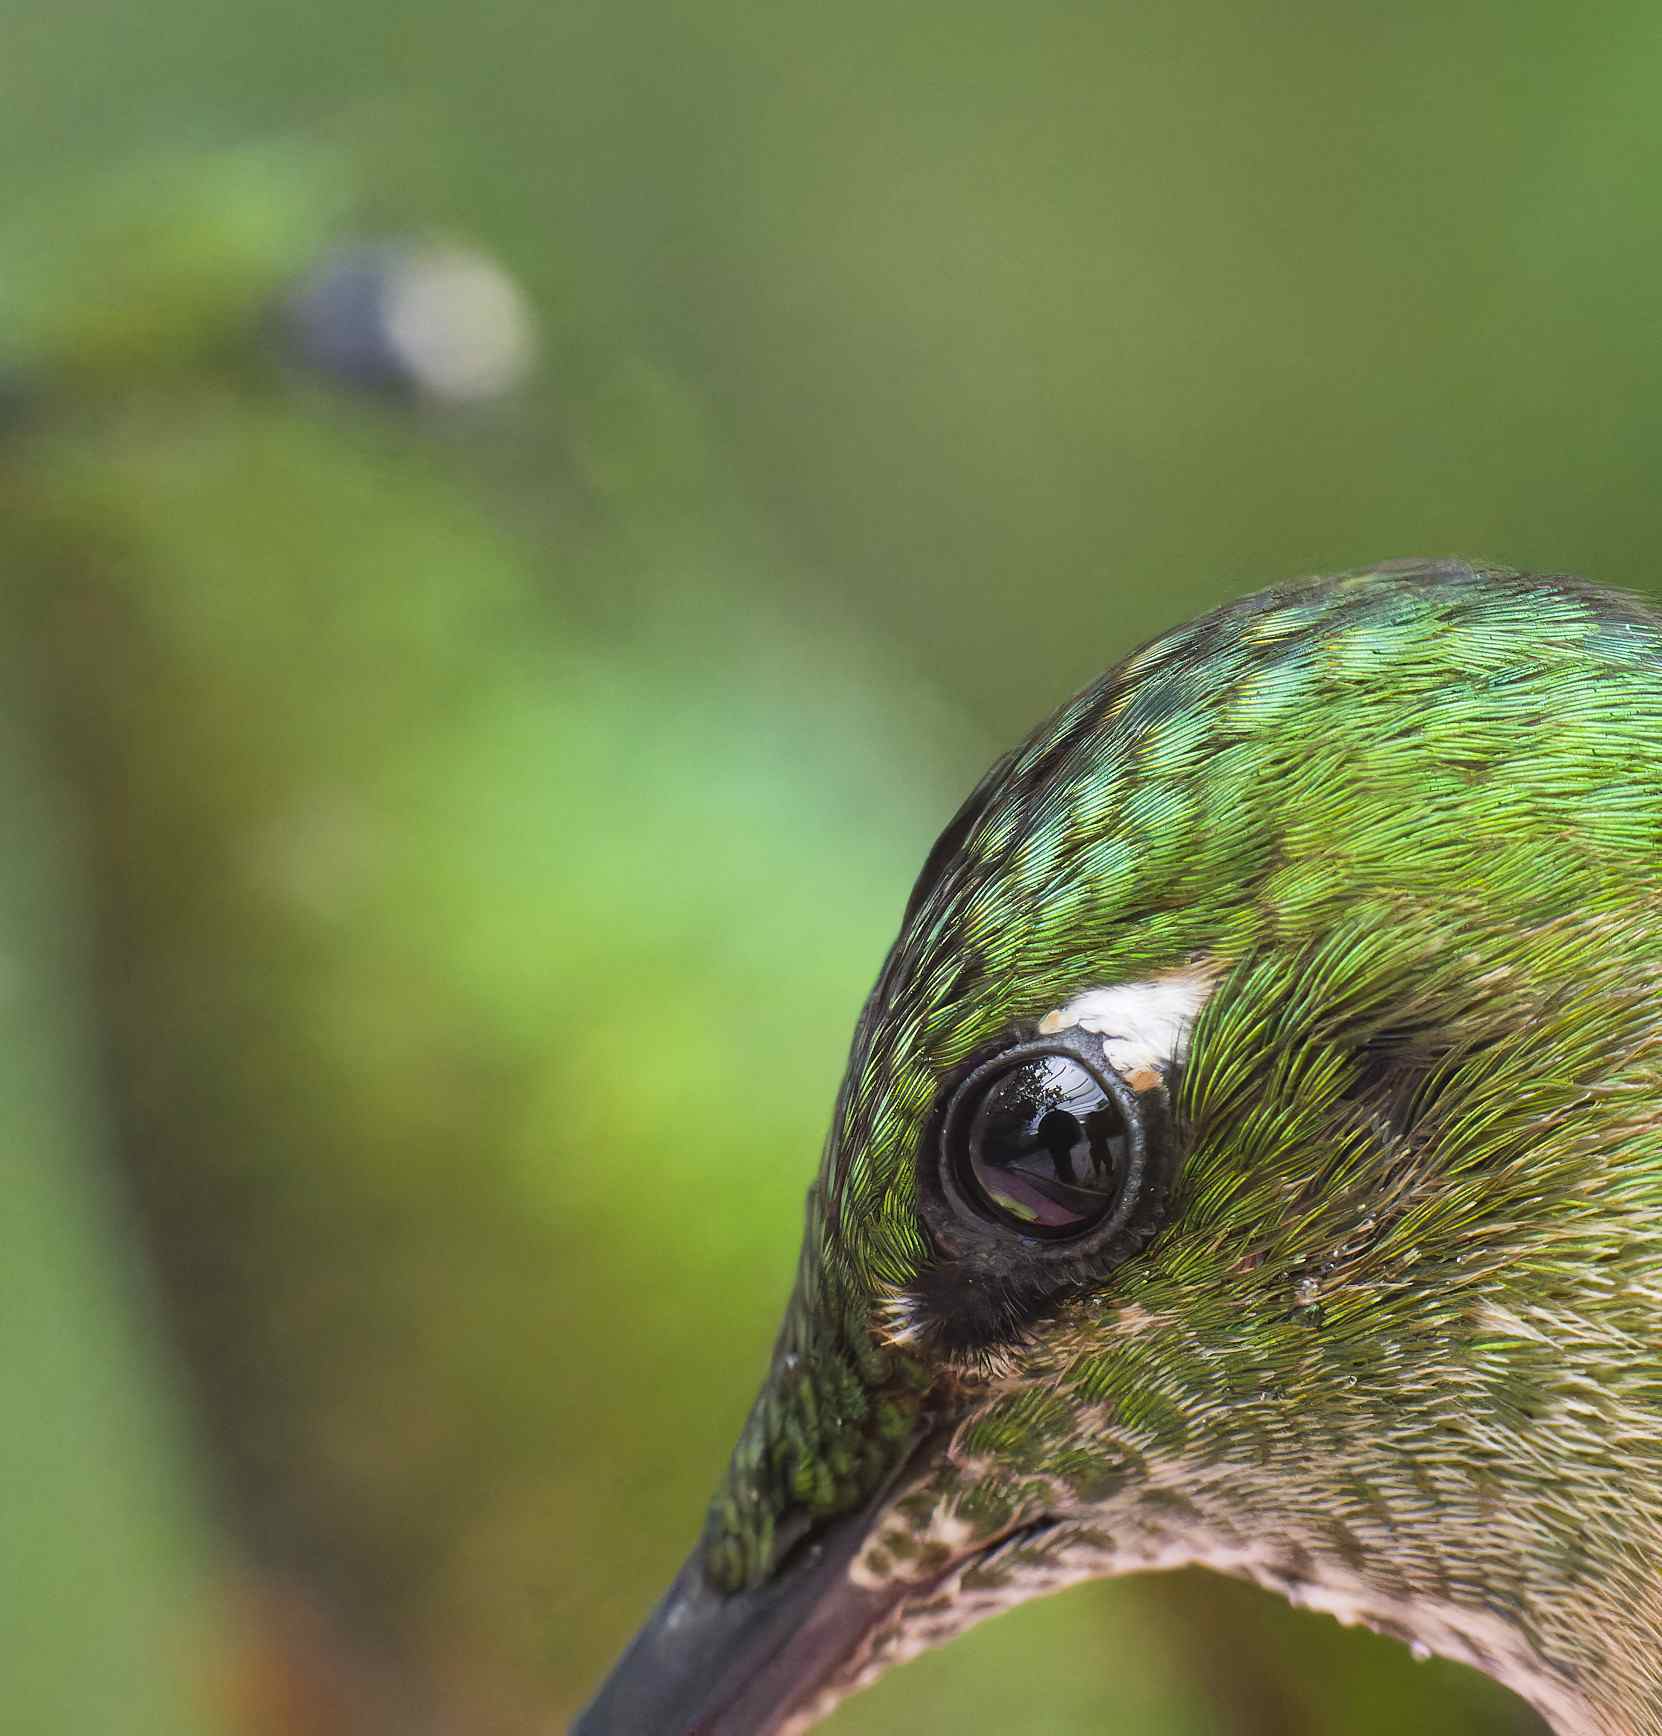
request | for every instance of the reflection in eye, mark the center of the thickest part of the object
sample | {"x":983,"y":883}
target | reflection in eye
{"x":1047,"y":1146}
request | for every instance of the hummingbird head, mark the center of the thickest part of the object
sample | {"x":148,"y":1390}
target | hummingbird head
{"x":1248,"y":1156}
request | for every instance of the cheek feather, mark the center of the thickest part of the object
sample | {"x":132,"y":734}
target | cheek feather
{"x":899,"y":1324}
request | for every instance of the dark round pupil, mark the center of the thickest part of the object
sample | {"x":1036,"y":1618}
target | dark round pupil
{"x":1047,"y":1146}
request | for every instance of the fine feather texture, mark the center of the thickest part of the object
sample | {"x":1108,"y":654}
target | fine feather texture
{"x":1394,"y":1349}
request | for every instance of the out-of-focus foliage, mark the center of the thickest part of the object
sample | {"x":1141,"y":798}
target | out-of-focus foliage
{"x":486,"y":824}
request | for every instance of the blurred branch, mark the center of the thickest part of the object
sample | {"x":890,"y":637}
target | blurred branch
{"x":105,"y":1604}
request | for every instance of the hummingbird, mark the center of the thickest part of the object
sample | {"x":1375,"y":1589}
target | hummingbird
{"x":1250,"y":1156}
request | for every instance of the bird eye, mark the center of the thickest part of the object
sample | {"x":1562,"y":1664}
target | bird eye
{"x":1039,"y":1142}
{"x":1040,"y":1171}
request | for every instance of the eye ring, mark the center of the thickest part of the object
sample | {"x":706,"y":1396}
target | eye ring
{"x":1044,"y":1144}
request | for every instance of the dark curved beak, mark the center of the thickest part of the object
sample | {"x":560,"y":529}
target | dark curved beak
{"x":707,"y":1664}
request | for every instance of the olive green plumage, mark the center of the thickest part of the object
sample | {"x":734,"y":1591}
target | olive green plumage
{"x":1394,"y":1347}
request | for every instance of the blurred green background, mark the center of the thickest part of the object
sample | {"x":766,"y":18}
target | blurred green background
{"x":449,"y":843}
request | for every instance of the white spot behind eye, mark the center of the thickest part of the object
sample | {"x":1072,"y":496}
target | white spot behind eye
{"x":1144,"y":1026}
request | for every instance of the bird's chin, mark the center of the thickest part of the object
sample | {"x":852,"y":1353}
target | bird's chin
{"x":772,"y":1660}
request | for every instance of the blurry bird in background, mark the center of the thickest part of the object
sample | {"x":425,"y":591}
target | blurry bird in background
{"x":372,"y":818}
